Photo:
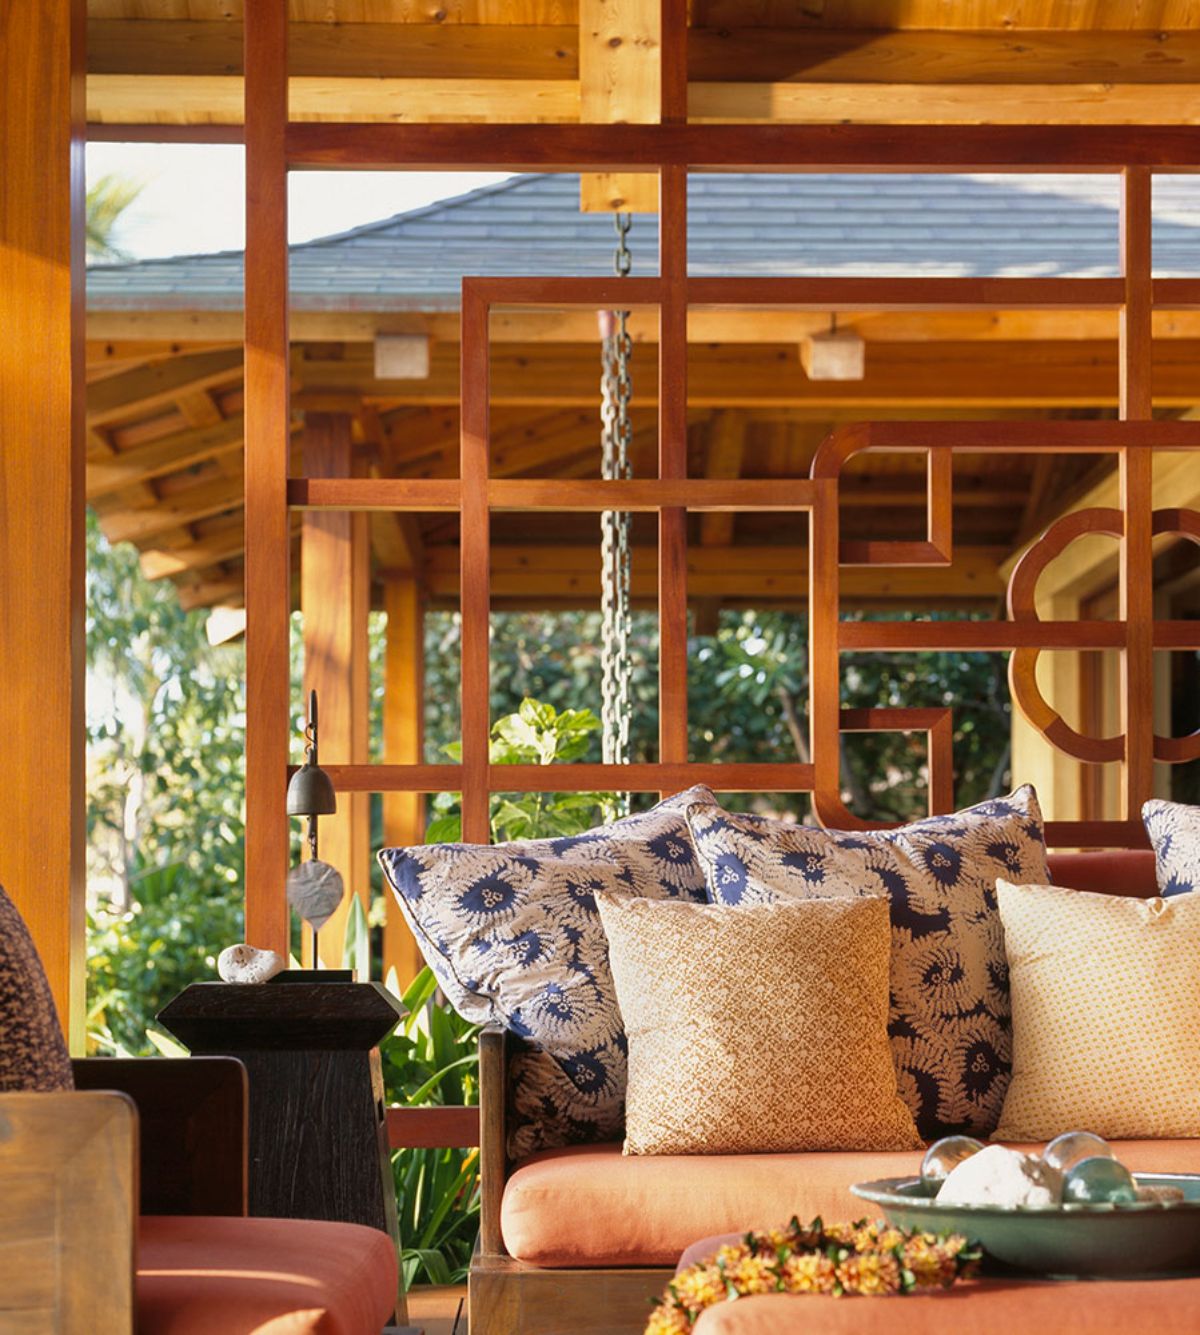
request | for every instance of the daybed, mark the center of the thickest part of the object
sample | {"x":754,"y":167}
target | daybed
{"x":581,"y":1239}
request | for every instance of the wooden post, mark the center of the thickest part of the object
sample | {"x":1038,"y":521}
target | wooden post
{"x":335,"y":593}
{"x":42,"y":486}
{"x":268,"y":410}
{"x":1137,"y":483}
{"x":403,"y":744}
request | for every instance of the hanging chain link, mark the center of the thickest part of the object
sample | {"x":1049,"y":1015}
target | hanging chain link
{"x":616,"y":433}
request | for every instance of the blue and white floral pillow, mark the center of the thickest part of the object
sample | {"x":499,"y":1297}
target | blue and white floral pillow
{"x":1174,"y":831}
{"x":950,"y":1021}
{"x":513,"y":935}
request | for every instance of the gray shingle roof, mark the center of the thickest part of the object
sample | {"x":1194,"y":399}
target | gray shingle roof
{"x":964,"y":225}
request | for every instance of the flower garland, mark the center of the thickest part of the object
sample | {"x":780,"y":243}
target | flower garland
{"x":872,"y":1259}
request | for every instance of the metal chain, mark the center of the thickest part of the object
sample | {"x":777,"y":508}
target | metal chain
{"x":616,"y":391}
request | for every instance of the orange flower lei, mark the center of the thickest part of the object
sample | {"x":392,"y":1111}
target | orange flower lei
{"x":870,"y":1259}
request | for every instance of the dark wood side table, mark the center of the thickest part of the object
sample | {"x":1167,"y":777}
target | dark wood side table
{"x":318,"y":1123}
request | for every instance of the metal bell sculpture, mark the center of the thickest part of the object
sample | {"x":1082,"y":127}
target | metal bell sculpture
{"x":314,"y":888}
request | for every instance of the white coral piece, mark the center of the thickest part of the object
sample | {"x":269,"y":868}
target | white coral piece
{"x":248,"y":964}
{"x":1000,"y":1176}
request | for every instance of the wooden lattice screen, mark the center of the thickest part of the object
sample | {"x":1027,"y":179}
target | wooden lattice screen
{"x":671,"y":149}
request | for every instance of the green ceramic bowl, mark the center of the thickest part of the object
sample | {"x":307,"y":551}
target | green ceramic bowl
{"x":1069,"y":1240}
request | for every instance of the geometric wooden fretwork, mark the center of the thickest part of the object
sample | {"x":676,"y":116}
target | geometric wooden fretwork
{"x":672,"y":148}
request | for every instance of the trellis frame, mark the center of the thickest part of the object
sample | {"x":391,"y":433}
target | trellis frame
{"x":672,"y":148}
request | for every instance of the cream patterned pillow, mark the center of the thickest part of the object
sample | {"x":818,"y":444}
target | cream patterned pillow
{"x":757,"y":1029}
{"x":1105,"y":1007}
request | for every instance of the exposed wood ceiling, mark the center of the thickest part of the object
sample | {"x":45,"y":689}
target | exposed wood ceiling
{"x":916,"y":61}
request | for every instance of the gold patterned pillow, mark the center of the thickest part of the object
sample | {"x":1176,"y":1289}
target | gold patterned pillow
{"x":756,"y":1029}
{"x":1105,"y":1000}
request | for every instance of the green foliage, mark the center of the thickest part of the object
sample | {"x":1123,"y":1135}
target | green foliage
{"x":166,"y":720}
{"x":107,"y":199}
{"x":139,"y":960}
{"x":432,"y":1059}
{"x":747,"y":700}
{"x":534,"y":734}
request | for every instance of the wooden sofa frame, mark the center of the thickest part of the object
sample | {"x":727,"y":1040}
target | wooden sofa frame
{"x":75,"y":1174}
{"x":506,"y":1295}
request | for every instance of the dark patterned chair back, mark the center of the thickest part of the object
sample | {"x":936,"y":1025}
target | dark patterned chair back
{"x":33,"y":1054}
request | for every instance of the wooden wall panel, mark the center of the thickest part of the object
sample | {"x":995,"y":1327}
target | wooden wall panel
{"x":42,"y":485}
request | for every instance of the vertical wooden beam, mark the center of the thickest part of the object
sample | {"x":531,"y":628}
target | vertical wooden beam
{"x":672,"y":463}
{"x":335,"y":598}
{"x":619,"y":43}
{"x":268,"y":566}
{"x":475,"y":556}
{"x":672,"y":395}
{"x":824,"y":665}
{"x":403,"y":744}
{"x":1137,"y":477}
{"x":42,"y":553}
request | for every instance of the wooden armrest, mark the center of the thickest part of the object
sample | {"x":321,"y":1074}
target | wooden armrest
{"x":493,"y":1137}
{"x":193,"y":1128}
{"x":68,"y":1212}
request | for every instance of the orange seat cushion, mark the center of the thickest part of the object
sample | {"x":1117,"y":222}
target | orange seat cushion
{"x":592,"y":1206}
{"x":228,"y":1276}
{"x":981,"y":1307}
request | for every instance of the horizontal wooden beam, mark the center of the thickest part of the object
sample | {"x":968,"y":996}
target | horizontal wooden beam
{"x":743,"y":573}
{"x":574,"y":778}
{"x":966,"y":103}
{"x":180,"y":99}
{"x":820,"y":148}
{"x":1025,"y":373}
{"x":583,"y":496}
{"x":114,"y":334}
{"x":433,"y":1128}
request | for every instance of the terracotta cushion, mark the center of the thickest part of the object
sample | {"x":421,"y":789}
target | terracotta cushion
{"x":227,"y":1276}
{"x":982,"y":1307}
{"x":1122,"y":872}
{"x":592,"y":1206}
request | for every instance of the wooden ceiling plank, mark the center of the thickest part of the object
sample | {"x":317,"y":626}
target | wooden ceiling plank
{"x":347,"y":14}
{"x":325,"y":50}
{"x":945,"y":104}
{"x":152,"y":99}
{"x":941,"y":56}
{"x":1030,"y":16}
{"x":223,"y":545}
{"x":198,"y":408}
{"x":141,"y":390}
{"x":215,"y":497}
{"x":168,"y":455}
